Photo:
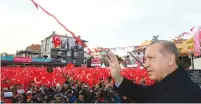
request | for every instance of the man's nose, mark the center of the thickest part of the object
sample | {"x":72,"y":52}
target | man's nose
{"x":146,"y":64}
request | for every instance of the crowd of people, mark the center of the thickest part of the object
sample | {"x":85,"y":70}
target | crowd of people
{"x":31,"y":84}
{"x":73,"y":91}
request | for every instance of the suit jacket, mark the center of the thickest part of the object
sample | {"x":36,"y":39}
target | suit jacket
{"x":177,"y":87}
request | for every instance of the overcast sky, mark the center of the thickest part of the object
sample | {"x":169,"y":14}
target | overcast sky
{"x":106,"y":23}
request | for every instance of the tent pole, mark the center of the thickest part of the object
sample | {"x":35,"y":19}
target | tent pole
{"x":192,"y":56}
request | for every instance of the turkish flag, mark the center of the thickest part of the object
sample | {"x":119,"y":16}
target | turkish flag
{"x":57,"y":41}
{"x":90,"y":78}
{"x":69,"y":66}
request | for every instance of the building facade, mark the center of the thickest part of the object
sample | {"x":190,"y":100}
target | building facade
{"x":63,"y":49}
{"x":33,"y":50}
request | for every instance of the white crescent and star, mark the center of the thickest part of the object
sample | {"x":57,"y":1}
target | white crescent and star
{"x":35,"y":80}
{"x":131,"y":74}
{"x":54,"y":80}
{"x":48,"y":82}
{"x":88,"y":76}
{"x":79,"y":76}
{"x":3,"y":77}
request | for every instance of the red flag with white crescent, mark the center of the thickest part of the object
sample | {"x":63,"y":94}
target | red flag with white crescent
{"x":57,"y":41}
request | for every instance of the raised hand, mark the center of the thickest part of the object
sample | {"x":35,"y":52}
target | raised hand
{"x":114,"y":67}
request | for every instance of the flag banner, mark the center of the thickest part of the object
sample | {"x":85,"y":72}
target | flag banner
{"x":197,"y":46}
{"x":23,"y":59}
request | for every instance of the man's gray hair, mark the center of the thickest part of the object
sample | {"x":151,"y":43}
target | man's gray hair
{"x":168,"y":46}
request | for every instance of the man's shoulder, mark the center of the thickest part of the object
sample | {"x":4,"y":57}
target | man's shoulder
{"x":178,"y":80}
{"x":182,"y":79}
{"x":181,"y":75}
{"x":182,"y":84}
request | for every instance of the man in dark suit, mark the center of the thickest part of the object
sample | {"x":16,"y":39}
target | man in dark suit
{"x":172,"y":82}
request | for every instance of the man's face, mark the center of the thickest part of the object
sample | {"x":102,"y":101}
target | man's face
{"x":156,"y":62}
{"x":69,"y":94}
{"x":81,"y":97}
{"x":124,"y":97}
{"x":28,"y":100}
{"x":58,"y":100}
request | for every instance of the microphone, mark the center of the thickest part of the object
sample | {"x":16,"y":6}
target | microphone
{"x":137,"y":59}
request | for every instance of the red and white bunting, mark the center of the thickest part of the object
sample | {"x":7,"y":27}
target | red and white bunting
{"x":184,"y":34}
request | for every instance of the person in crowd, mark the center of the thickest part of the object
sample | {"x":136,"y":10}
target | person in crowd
{"x":172,"y":82}
{"x":142,"y":82}
{"x":117,"y":99}
{"x":124,"y":99}
{"x":80,"y":98}
{"x":71,"y":96}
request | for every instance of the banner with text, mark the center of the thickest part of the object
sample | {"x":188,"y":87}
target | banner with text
{"x":22,"y":59}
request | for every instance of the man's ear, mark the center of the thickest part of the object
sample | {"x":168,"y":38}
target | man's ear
{"x":172,"y":59}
